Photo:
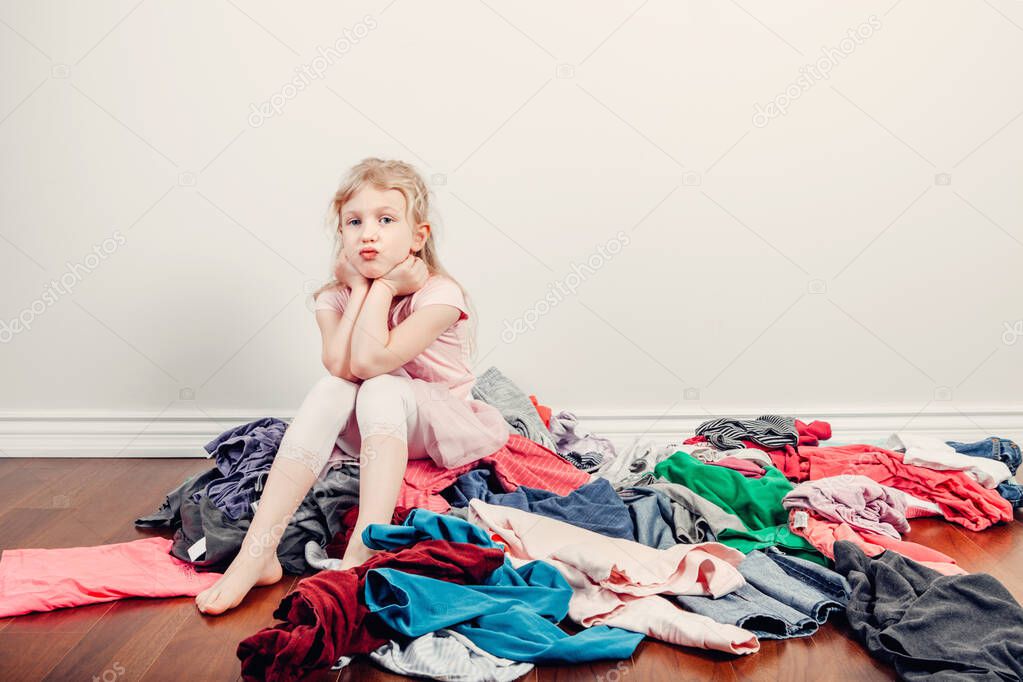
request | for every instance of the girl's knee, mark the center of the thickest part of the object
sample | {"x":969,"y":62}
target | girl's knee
{"x":382,"y":406}
{"x":384,"y":387}
{"x":334,"y":390}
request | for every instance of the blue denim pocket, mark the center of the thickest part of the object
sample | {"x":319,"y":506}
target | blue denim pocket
{"x":1012,"y":493}
{"x":1000,"y":449}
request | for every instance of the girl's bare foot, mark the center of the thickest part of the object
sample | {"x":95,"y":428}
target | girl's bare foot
{"x":356,"y":555}
{"x":245,"y":572}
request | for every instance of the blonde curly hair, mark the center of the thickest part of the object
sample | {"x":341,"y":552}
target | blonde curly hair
{"x":385,"y":175}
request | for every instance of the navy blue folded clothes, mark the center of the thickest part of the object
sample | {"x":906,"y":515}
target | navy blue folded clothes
{"x":595,"y":505}
{"x":208,"y":539}
{"x":1002,"y":450}
{"x":774,"y":603}
{"x":244,"y":456}
{"x":932,"y":626}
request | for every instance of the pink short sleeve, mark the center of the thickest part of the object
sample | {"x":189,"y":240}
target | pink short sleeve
{"x":439,"y":289}
{"x":332,"y":299}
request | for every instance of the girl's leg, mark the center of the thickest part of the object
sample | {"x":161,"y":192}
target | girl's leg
{"x":387,"y":413}
{"x":305,"y":448}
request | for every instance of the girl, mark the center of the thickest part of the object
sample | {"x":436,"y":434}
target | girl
{"x":397,"y":348}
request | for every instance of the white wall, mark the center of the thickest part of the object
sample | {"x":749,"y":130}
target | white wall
{"x":857,"y":258}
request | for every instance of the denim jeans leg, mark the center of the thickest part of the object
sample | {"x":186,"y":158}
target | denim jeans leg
{"x":774,"y":604}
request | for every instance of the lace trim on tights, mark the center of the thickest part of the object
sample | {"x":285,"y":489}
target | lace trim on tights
{"x":312,"y":459}
{"x":384,"y":428}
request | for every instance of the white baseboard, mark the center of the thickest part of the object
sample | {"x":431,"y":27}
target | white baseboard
{"x":849,"y":425}
{"x":126,"y":434}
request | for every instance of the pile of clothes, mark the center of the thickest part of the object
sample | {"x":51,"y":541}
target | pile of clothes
{"x":750,"y":529}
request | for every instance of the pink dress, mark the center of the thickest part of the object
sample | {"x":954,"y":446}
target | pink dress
{"x":456,"y":428}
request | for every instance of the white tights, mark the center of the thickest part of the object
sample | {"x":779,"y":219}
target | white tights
{"x":337,"y":415}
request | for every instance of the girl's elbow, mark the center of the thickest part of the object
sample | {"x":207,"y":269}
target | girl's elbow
{"x":337,"y":369}
{"x":367,"y":370}
{"x":361,"y":371}
{"x":347,"y":376}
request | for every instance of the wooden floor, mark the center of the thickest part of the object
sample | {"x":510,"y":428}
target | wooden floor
{"x":75,"y":502}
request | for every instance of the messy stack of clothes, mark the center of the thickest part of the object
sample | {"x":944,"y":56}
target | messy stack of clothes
{"x":748,"y":529}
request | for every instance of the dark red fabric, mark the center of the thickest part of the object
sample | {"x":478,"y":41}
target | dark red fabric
{"x":336,"y":548}
{"x":960,"y":498}
{"x":542,"y":410}
{"x":325,"y":617}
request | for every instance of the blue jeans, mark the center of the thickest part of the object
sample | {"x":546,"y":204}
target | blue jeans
{"x":1004,"y":451}
{"x":783,"y":597}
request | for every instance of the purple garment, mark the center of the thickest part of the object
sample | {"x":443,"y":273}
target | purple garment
{"x":244,"y":456}
{"x":856,"y":500}
{"x":586,"y":452}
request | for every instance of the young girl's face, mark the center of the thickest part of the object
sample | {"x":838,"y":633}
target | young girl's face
{"x":376,"y":230}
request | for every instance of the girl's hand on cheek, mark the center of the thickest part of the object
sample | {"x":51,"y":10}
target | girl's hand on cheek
{"x":407,"y":277}
{"x":347,"y":274}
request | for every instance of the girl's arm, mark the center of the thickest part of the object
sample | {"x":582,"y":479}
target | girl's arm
{"x":337,"y":330}
{"x":377,"y":350}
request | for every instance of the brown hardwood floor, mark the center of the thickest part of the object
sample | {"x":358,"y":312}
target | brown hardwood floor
{"x":77,"y":502}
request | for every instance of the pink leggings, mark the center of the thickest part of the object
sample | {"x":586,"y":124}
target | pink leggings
{"x":337,"y":414}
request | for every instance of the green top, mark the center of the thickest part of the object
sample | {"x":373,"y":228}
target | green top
{"x":756,"y":501}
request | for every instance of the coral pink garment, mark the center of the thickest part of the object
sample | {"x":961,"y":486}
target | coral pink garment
{"x":823,"y":534}
{"x":813,"y":433}
{"x":960,"y":498}
{"x":542,"y":410}
{"x":519,"y":462}
{"x":746,"y":467}
{"x":788,"y":461}
{"x":460,"y":428}
{"x":47,"y":579}
{"x":615,"y":582}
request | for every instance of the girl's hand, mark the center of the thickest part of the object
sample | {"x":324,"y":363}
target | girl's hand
{"x":347,"y":275}
{"x":408,"y":276}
